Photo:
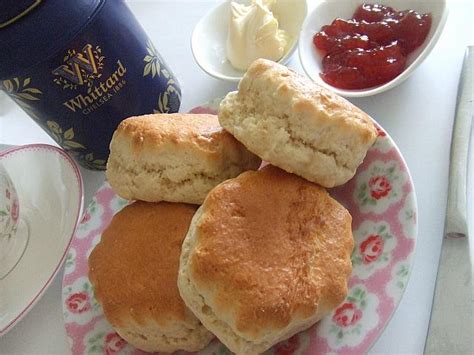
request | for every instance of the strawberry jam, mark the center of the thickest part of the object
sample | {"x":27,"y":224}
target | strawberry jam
{"x":371,"y":48}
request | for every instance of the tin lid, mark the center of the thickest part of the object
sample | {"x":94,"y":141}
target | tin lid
{"x":34,"y":30}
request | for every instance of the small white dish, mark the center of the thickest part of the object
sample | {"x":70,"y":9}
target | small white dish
{"x":326,"y":11}
{"x":50,"y":191}
{"x":208,"y":41}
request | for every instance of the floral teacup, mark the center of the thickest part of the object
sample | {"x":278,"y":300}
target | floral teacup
{"x":12,"y":243}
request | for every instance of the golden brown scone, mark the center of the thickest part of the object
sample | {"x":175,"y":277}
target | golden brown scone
{"x":267,"y":255}
{"x":295,"y":124}
{"x":174,"y":157}
{"x":134,"y":271}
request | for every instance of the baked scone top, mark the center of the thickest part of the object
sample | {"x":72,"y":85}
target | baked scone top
{"x":134,"y":268}
{"x":199,"y":133}
{"x":271,"y":247}
{"x":307,"y":99}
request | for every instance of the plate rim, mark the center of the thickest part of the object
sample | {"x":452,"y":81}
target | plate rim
{"x":39,"y":293}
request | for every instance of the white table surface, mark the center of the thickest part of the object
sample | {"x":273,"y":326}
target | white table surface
{"x":418,"y":114}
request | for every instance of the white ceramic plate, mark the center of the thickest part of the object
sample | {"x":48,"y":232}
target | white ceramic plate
{"x":208,"y":42}
{"x":326,"y":11}
{"x":50,"y":192}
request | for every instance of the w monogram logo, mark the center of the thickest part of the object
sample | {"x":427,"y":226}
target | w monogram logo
{"x":79,"y":68}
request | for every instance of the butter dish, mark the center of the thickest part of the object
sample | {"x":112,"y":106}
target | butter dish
{"x":209,"y":38}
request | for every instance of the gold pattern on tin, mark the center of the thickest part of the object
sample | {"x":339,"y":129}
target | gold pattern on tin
{"x":63,"y":138}
{"x":19,"y":89}
{"x":153,"y":62}
{"x":22,"y":93}
{"x":88,"y":160}
{"x":80,"y":68}
{"x":155,"y":67}
{"x":163,"y":99}
{"x":99,"y":94}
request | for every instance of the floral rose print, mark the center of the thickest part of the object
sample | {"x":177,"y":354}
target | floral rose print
{"x":346,"y":315}
{"x":211,"y":109}
{"x":91,"y":219}
{"x":379,"y":187}
{"x":70,"y":261}
{"x":288,"y":347}
{"x":408,"y":216}
{"x":383,"y":143}
{"x":202,"y":109}
{"x":102,"y":339}
{"x":78,"y":302}
{"x":86,"y":217}
{"x":371,"y":248}
{"x":117,"y":203}
{"x":352,"y":320}
{"x":15,"y":212}
{"x":113,"y":343}
{"x":380,"y":132}
{"x":398,"y":282}
{"x":374,"y":244}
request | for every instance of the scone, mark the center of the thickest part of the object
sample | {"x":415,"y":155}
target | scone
{"x":174,"y":157}
{"x":293,"y":123}
{"x":134,"y":270}
{"x":267,"y":255}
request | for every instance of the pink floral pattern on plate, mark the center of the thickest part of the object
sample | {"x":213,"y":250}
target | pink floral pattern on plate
{"x":382,"y":203}
{"x":374,"y":243}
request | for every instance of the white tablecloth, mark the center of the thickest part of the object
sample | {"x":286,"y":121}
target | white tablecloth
{"x":418,"y":114}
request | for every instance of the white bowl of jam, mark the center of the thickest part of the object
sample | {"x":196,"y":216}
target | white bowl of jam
{"x":357,"y":49}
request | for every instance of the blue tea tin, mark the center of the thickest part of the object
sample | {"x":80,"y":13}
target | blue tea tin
{"x":80,"y":67}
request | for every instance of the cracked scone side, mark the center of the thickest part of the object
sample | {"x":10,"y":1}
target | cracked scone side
{"x":192,"y":336}
{"x":296,"y":125}
{"x":174,"y":157}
